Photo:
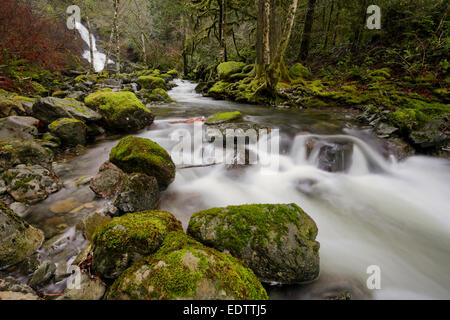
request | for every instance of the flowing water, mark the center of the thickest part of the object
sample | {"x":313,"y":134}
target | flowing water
{"x":394,"y":215}
{"x":99,"y":58}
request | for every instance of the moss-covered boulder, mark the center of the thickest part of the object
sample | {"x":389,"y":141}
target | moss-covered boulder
{"x":17,"y":128}
{"x":276,"y":241}
{"x":18,"y":239}
{"x":126,"y":239}
{"x":122,"y":111}
{"x":139,"y":192}
{"x":141,"y":155}
{"x":224,"y":117}
{"x":10,"y":107}
{"x":17,"y":152}
{"x":150,"y":82}
{"x":72,"y":132}
{"x":157,"y":95}
{"x":185,"y":269}
{"x":299,"y":71}
{"x":30,"y":184}
{"x":51,"y":109}
{"x":226,"y":69}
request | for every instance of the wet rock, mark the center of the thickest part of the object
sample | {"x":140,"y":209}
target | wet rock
{"x":336,"y":157}
{"x":30,"y":264}
{"x":72,"y":132}
{"x":138,"y":155}
{"x":108,"y":181}
{"x":51,"y":109}
{"x":17,"y":152}
{"x":64,"y":206}
{"x":20,"y":208}
{"x":385,"y":130}
{"x":224,"y":118}
{"x":18,"y":239}
{"x":10,"y":107}
{"x":138,"y":193}
{"x":429,"y":139}
{"x":43,"y":274}
{"x":30,"y":184}
{"x":276,"y":241}
{"x":91,"y":223}
{"x":185,"y":269}
{"x":18,"y":128}
{"x":12,"y":289}
{"x":126,"y":239}
{"x":90,"y":289}
{"x":122,"y":111}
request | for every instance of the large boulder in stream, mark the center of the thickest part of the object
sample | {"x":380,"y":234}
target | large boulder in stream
{"x":70,"y":131}
{"x":276,"y":241}
{"x":51,"y":109}
{"x":126,"y":239}
{"x":122,"y":111}
{"x":138,"y":155}
{"x":185,"y":269}
{"x":150,"y":82}
{"x":18,"y":239}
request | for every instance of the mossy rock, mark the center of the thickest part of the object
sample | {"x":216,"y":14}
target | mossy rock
{"x":407,"y":120}
{"x":72,"y":132}
{"x":60,"y":94}
{"x":17,"y":128}
{"x":141,"y":155}
{"x":173,"y":73}
{"x":276,"y":241}
{"x":224,"y":117}
{"x":122,"y":111}
{"x":185,"y":269}
{"x":158,"y":95}
{"x":18,"y":239}
{"x":151,"y":82}
{"x":10,"y":107}
{"x":220,"y":90}
{"x":226,"y":69}
{"x":126,"y":239}
{"x":299,"y":71}
{"x":51,"y":109}
{"x":30,"y":152}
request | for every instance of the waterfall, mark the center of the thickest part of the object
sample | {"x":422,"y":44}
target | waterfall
{"x":99,"y":58}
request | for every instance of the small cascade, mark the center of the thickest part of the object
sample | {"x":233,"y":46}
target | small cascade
{"x":99,"y":58}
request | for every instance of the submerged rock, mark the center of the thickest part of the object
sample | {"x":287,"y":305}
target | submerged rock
{"x":90,"y":289}
{"x":17,"y":152}
{"x":124,"y":240}
{"x":223,"y":118}
{"x":185,"y":269}
{"x":72,"y":132}
{"x":30,"y":184}
{"x":43,"y":274}
{"x":138,"y":193}
{"x":336,"y":157}
{"x":138,"y":155}
{"x":18,"y":239}
{"x":122,"y":111}
{"x":276,"y":241}
{"x":51,"y":109}
{"x":18,"y":128}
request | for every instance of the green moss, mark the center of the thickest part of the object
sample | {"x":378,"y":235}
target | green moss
{"x":167,"y":276}
{"x":81,"y":78}
{"x":407,"y":119}
{"x":226,"y":69}
{"x":55,"y":124}
{"x":299,"y":71}
{"x":59,"y":94}
{"x":173,"y":73}
{"x":140,"y":155}
{"x":235,"y":226}
{"x":224,"y":117}
{"x":144,"y":231}
{"x":115,"y":105}
{"x":158,"y":94}
{"x":151,"y":82}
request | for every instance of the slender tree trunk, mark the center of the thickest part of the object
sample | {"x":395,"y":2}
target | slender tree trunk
{"x":359,"y":28}
{"x":185,"y":47}
{"x":111,"y":37}
{"x":222,"y":22}
{"x":273,"y":73}
{"x":91,"y":46}
{"x":266,"y":34}
{"x":304,"y":47}
{"x":330,"y":18}
{"x":116,"y":32}
{"x":260,"y":40}
{"x":336,"y":24}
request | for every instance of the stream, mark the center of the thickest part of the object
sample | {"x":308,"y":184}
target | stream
{"x":394,"y":215}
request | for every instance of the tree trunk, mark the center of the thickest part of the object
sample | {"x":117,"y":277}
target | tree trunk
{"x":359,"y":28}
{"x":273,"y":72}
{"x":304,"y":47}
{"x":338,"y":14}
{"x":330,"y":18}
{"x":111,"y":37}
{"x":222,"y":21}
{"x":91,"y":46}
{"x":116,"y":32}
{"x":259,"y":40}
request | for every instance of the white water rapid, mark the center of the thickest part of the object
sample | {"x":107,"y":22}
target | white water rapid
{"x":99,"y":58}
